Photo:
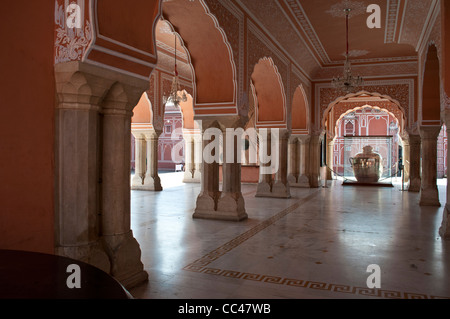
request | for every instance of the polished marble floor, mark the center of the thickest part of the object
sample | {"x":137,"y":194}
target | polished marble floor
{"x":317,"y":244}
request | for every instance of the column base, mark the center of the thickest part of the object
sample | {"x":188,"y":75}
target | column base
{"x":278,"y":190}
{"x":429,"y":197}
{"x":263,"y":189}
{"x":220,"y":215}
{"x":281,"y":190}
{"x":414,"y":185}
{"x":315,"y":181}
{"x":150,"y":184}
{"x":303,"y":182}
{"x":292,"y":180}
{"x":136,"y":181}
{"x":191,"y":178}
{"x":444,"y":230}
{"x":93,"y":254}
{"x":230,"y":207}
{"x":125,"y":256}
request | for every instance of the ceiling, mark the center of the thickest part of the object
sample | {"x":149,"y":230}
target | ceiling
{"x":312,"y":32}
{"x":319,"y":25}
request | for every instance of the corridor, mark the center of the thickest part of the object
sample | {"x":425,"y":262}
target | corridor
{"x":317,"y":244}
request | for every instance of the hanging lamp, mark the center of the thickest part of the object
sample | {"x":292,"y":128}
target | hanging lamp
{"x":347,"y":82}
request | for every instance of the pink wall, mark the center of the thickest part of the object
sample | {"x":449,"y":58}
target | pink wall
{"x":27,"y":126}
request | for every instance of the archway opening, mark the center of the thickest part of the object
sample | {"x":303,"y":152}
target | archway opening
{"x":364,"y":132}
{"x":160,"y":119}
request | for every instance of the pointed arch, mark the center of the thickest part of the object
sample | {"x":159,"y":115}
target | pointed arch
{"x":270,"y":95}
{"x":215,"y":76}
{"x":403,"y":122}
{"x":300,"y":111}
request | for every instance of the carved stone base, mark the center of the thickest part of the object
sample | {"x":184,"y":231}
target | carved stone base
{"x":192,"y":178}
{"x":230,"y":207}
{"x":93,"y":254}
{"x":303,"y":182}
{"x":292,"y":180}
{"x":281,"y":190}
{"x":235,"y":216}
{"x":125,"y":256}
{"x":150,"y":184}
{"x":429,"y":197}
{"x":278,"y":190}
{"x":414,"y":185}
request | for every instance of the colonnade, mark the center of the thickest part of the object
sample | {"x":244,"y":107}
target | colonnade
{"x":146,"y":160}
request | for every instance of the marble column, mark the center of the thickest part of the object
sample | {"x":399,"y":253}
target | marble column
{"x":122,"y":248}
{"x":274,"y":143}
{"x":231,"y":205}
{"x":314,"y":160}
{"x":429,"y":194}
{"x":189,"y":160}
{"x":329,"y":159}
{"x":264,"y":187}
{"x":93,"y":146}
{"x":444,"y":230}
{"x":406,"y":158}
{"x":139,"y":162}
{"x":152,"y":182}
{"x":192,"y":164}
{"x":280,"y":187}
{"x":77,"y":169}
{"x":293,"y":160}
{"x":198,"y":157}
{"x":303,"y":149}
{"x":206,"y":204}
{"x":414,"y":163}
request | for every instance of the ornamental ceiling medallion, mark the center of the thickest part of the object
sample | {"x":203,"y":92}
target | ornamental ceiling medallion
{"x":356,"y":8}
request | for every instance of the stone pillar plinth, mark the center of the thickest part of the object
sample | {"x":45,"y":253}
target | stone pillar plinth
{"x":414,"y":163}
{"x":429,"y":194}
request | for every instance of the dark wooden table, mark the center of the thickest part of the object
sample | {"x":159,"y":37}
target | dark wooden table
{"x":30,"y":275}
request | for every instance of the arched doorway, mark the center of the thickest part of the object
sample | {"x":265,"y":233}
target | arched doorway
{"x":367,"y":126}
{"x":358,"y":116}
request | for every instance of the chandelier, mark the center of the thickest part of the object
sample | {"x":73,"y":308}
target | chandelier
{"x":174,"y":97}
{"x":347,"y":82}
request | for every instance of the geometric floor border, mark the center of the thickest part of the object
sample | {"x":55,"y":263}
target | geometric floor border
{"x":200,"y":264}
{"x":362,"y":291}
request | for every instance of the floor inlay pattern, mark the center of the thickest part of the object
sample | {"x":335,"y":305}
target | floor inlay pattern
{"x":200,"y":266}
{"x":235,"y":242}
{"x":387,"y":294}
